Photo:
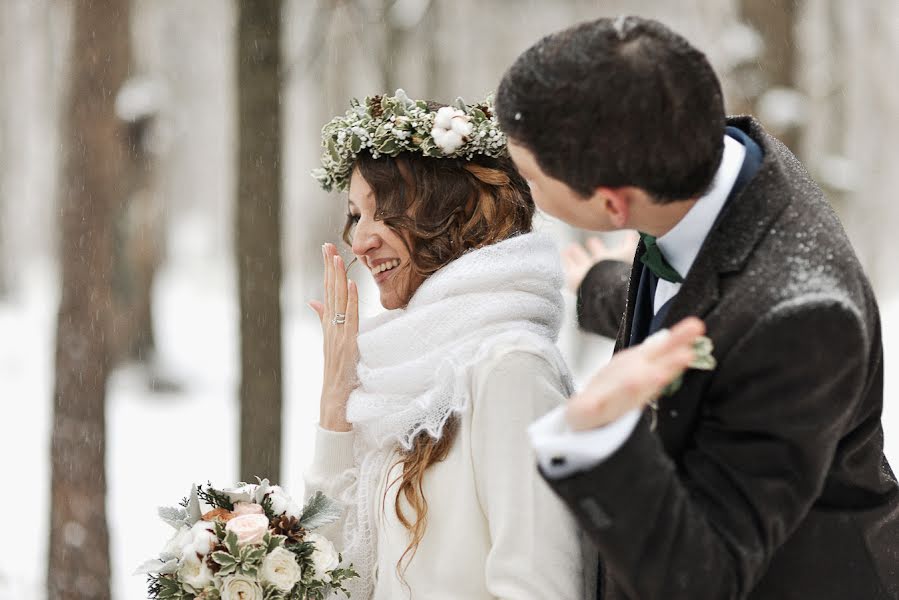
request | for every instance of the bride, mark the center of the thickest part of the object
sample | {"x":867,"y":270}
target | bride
{"x":424,"y":409}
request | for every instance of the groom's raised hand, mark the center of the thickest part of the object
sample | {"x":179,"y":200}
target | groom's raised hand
{"x":634,"y":377}
{"x":578,"y":259}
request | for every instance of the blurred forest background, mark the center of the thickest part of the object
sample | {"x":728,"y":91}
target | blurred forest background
{"x":160,"y":232}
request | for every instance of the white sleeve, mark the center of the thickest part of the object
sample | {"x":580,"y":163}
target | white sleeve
{"x":333,"y":469}
{"x":562,"y":451}
{"x":535,"y":548}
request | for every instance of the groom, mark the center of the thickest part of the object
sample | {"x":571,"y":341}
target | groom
{"x":764,"y":478}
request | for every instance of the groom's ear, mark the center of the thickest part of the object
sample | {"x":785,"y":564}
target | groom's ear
{"x":615,"y":204}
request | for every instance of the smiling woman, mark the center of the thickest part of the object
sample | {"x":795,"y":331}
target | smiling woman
{"x":424,"y":407}
{"x":411,"y":215}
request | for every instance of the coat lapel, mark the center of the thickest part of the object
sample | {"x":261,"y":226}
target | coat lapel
{"x":624,"y":329}
{"x":745,"y":220}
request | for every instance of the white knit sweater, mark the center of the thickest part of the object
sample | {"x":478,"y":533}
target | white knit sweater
{"x":494,"y":529}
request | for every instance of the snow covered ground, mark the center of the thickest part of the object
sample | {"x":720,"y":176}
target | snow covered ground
{"x":161,"y":442}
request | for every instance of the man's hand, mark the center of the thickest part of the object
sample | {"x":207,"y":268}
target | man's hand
{"x":634,"y":377}
{"x":578,"y":259}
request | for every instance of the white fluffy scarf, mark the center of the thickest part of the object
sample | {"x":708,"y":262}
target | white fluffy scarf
{"x":414,"y":363}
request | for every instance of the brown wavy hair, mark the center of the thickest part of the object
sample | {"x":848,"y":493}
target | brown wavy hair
{"x":441,"y":208}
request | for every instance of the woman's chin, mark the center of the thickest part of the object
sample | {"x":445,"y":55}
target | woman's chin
{"x":389,"y":300}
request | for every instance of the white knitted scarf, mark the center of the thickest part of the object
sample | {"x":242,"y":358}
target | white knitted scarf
{"x":415,"y":363}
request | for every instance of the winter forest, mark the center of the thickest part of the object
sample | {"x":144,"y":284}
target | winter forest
{"x":160,"y":232}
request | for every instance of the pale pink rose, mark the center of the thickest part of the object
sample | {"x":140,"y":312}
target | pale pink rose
{"x":249,"y":529}
{"x":247,"y":508}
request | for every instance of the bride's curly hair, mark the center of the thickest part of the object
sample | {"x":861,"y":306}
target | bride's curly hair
{"x":441,"y":208}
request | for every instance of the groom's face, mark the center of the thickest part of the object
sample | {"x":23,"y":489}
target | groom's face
{"x":556,"y":198}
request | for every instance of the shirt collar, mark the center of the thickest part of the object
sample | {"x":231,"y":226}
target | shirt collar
{"x":681,"y":245}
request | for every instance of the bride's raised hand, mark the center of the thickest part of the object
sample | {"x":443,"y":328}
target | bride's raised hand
{"x":339,"y":316}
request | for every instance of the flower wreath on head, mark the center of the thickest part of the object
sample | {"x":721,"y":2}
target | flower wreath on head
{"x":390,"y":125}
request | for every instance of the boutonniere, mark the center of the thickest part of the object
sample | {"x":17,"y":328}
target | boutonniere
{"x":704,"y":360}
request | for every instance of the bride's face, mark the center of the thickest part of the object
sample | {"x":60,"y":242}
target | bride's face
{"x":380,"y":248}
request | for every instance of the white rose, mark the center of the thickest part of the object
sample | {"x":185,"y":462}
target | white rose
{"x":174,"y":548}
{"x":195,"y":572}
{"x":244,"y":493}
{"x":239,"y":587}
{"x":203,"y":537}
{"x":250,"y":529}
{"x":324,"y":558}
{"x":281,"y":569}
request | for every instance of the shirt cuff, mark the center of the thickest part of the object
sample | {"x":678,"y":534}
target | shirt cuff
{"x":333,"y":451}
{"x":562,"y":452}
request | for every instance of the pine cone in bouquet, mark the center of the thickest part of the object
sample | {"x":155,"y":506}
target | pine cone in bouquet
{"x":289,"y":527}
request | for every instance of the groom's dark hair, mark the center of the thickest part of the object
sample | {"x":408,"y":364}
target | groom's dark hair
{"x":617,"y":102}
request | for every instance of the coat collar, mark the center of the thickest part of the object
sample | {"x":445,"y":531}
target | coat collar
{"x":743,"y":223}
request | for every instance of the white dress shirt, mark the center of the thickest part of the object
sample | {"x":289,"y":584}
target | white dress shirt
{"x":562,"y":451}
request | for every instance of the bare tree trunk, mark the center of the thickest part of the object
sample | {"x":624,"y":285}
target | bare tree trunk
{"x":78,"y":566}
{"x":259,"y":236}
{"x":775,"y":21}
{"x":139,"y":245}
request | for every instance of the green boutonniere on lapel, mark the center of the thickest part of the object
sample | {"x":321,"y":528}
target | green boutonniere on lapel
{"x":703,"y":361}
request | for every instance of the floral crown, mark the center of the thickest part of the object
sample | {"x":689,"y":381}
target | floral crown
{"x":390,"y":125}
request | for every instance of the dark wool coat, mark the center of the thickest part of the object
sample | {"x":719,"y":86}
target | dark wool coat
{"x":766,"y":477}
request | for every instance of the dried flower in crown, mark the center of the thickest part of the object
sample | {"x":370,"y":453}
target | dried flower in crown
{"x":390,"y":125}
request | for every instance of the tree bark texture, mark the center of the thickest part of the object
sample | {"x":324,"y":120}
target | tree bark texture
{"x":259,"y":186}
{"x":775,"y":21}
{"x":78,"y":567}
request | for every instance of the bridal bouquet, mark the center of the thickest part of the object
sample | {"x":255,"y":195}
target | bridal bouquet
{"x":254,"y":542}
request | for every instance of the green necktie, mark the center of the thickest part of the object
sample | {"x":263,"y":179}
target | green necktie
{"x":656,"y":262}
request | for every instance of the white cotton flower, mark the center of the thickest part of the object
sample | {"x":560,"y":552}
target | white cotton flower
{"x":174,"y":548}
{"x":325,"y":557}
{"x":279,"y":499}
{"x":195,"y":572}
{"x":203,"y":537}
{"x":281,"y":569}
{"x":448,"y":141}
{"x":451,"y":129}
{"x":444,"y":118}
{"x":462,"y":126}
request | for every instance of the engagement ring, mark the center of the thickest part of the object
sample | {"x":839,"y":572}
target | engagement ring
{"x":339,"y":319}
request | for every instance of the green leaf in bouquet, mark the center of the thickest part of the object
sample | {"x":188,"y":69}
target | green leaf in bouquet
{"x":174,"y":517}
{"x":223,"y":558}
{"x":273,"y":541}
{"x":157,"y":567}
{"x":227,"y":563}
{"x":319,"y":511}
{"x":231,"y":543}
{"x":219,"y":529}
{"x":253,"y":554}
{"x":170,"y":589}
{"x":270,"y":592}
{"x":194,"y":512}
